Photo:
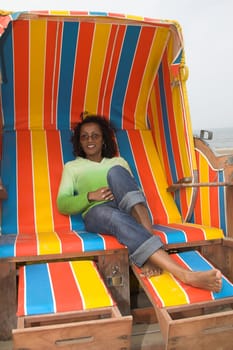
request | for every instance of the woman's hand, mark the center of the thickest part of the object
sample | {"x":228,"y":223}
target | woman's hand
{"x":102,"y":194}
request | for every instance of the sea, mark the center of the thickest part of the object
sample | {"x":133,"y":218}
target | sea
{"x":221,"y":141}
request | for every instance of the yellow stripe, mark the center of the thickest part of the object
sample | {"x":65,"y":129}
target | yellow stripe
{"x":204,"y":191}
{"x":160,"y":180}
{"x":155,"y":56}
{"x":96,"y":66}
{"x":169,"y":291}
{"x":59,"y":12}
{"x":37,"y":59}
{"x":43,"y":210}
{"x":138,"y":18}
{"x":91,"y":285}
{"x":210,"y":232}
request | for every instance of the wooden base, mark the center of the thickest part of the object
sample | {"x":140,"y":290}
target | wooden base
{"x":206,"y":331}
{"x":95,"y":329}
{"x":203,"y":325}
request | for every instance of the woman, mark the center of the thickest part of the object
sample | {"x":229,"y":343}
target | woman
{"x":100,"y":185}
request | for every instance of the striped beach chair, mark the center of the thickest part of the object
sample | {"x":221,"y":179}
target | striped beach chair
{"x":55,"y":66}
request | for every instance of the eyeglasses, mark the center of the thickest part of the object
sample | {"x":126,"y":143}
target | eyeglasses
{"x":94,"y":137}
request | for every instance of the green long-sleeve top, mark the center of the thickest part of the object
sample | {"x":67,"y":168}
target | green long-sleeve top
{"x":81,"y":176}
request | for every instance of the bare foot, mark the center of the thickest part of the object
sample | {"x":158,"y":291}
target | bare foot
{"x":210,"y":280}
{"x":149,"y":270}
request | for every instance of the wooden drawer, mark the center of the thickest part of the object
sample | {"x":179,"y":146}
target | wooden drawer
{"x":67,"y":305}
{"x":90,"y":329}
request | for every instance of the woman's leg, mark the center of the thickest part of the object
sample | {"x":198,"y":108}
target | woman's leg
{"x":210,"y":280}
{"x":120,"y":181}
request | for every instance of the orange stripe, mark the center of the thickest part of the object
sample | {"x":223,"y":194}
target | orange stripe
{"x":144,"y":172}
{"x":68,"y":299}
{"x":85,"y":38}
{"x":49,"y":72}
{"x":26,"y":219}
{"x":21,"y":70}
{"x":136,"y":76}
{"x":113,"y":69}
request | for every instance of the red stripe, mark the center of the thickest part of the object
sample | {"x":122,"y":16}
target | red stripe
{"x":171,"y":117}
{"x":107,"y":65}
{"x":195,"y":294}
{"x":26,"y":242}
{"x":49,"y":72}
{"x":70,"y":300}
{"x":214,"y":199}
{"x":113,"y":69}
{"x":193,"y":233}
{"x":85,"y":39}
{"x":21,"y":73}
{"x":26,"y":219}
{"x":136,"y":76}
{"x":21,"y":288}
{"x":70,"y":241}
{"x":197,"y":209}
{"x":111,"y":242}
{"x":147,"y":179}
{"x":55,"y":163}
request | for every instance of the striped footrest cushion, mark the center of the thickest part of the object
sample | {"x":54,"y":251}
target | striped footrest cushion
{"x":61,"y":287}
{"x":165,"y":290}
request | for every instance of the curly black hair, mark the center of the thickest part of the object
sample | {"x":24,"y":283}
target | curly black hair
{"x":109,"y":148}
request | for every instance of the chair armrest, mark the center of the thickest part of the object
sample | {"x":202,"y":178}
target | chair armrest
{"x":180,"y":184}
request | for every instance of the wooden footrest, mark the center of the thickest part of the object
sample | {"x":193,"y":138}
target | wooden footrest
{"x":190,"y":317}
{"x":66,"y":304}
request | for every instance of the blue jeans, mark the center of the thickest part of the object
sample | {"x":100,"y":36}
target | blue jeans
{"x":114,"y":217}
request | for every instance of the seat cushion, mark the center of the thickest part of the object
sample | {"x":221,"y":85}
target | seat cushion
{"x":61,"y":287}
{"x":157,"y":287}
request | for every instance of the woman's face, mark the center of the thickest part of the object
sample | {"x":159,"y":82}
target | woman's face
{"x":91,"y":140}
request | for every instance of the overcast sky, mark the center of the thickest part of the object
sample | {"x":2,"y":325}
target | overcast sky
{"x":207,"y":31}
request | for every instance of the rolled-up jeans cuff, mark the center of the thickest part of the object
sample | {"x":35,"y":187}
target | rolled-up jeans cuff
{"x":150,"y":246}
{"x":130,"y":199}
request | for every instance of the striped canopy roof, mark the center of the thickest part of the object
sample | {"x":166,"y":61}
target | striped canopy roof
{"x":75,"y":61}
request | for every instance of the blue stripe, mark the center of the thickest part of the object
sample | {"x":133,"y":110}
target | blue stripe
{"x":122,"y":76}
{"x":9,"y":207}
{"x":39,"y":299}
{"x":91,"y":241}
{"x":197,"y":263}
{"x":7,"y":76}
{"x":67,"y":149}
{"x":222,"y":197}
{"x":173,"y":235}
{"x":7,"y":244}
{"x":95,"y":13}
{"x":77,"y":223}
{"x":166,"y":125}
{"x":126,"y":152}
{"x":66,"y":73}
